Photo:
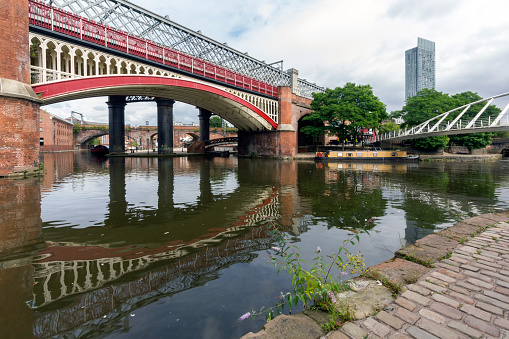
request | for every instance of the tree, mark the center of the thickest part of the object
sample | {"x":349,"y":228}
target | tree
{"x":344,"y":111}
{"x":474,"y":140}
{"x":427,"y":104}
{"x":431,"y":143}
{"x":96,"y":141}
{"x":216,"y":121}
{"x":388,"y":127}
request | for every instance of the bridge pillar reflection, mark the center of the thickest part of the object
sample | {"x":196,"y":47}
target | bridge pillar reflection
{"x":206,"y":196}
{"x":116,"y":108}
{"x":118,"y":203}
{"x":204,"y":117}
{"x":164,"y":126}
{"x":165,"y":175}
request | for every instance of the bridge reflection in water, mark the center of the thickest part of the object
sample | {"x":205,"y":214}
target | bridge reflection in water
{"x":95,"y":274}
{"x":127,"y":241}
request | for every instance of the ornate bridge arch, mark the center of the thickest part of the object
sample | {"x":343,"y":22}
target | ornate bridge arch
{"x":55,"y":62}
{"x":238,"y":111}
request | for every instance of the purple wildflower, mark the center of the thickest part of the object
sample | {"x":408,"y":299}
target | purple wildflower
{"x":370,"y":221}
{"x":244,"y":316}
{"x":332,"y":297}
{"x":277,"y":249}
{"x":318,"y":249}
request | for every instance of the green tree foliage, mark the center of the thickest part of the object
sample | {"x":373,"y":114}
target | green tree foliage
{"x":387,"y":127}
{"x":343,"y":111}
{"x":427,"y":104}
{"x":475,"y":140}
{"x":34,"y":49}
{"x":216,"y":121}
{"x":431,"y":143}
{"x":94,"y":142}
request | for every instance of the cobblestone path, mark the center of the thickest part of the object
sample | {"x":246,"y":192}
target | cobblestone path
{"x":464,"y":296}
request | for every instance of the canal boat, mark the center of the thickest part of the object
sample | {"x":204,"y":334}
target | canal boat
{"x":366,"y":156}
{"x":100,"y":150}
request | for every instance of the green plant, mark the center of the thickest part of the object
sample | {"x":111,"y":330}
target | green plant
{"x":316,"y":283}
{"x":34,"y":49}
{"x":339,"y":314}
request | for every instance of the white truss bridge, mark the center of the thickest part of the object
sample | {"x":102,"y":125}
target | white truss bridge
{"x":451,"y":122}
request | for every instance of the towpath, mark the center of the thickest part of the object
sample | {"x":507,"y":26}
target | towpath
{"x":463,"y":292}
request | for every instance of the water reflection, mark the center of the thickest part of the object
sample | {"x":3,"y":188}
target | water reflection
{"x":20,"y":235}
{"x":128,"y":239}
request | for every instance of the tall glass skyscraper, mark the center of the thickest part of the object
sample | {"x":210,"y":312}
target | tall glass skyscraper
{"x":419,"y":67}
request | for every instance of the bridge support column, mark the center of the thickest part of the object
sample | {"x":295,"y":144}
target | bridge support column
{"x":19,"y":105}
{"x":165,"y":126}
{"x":283,"y":142}
{"x":116,"y":108}
{"x":204,"y":117}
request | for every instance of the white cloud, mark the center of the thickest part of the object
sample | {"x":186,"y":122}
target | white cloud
{"x":332,"y":42}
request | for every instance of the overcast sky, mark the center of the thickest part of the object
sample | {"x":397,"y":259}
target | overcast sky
{"x":332,"y":42}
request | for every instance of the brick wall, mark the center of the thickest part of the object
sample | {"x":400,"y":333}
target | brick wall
{"x":15,"y":62}
{"x":19,"y":119}
{"x":19,"y":135}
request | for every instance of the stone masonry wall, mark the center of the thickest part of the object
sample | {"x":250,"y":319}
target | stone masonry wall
{"x":15,"y":62}
{"x":19,"y":115}
{"x":19,"y":135}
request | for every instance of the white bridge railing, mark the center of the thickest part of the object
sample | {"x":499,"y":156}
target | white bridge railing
{"x":449,"y":123}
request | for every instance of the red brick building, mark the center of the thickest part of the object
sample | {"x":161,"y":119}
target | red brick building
{"x":56,"y":134}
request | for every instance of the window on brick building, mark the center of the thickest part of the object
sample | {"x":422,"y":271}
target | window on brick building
{"x":41,"y":141}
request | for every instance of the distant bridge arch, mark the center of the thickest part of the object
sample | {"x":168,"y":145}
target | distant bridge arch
{"x":84,"y":137}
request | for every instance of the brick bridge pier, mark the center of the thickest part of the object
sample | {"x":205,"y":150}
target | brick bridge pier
{"x":19,"y":105}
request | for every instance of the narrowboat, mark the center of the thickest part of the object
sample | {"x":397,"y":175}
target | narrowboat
{"x":100,"y":150}
{"x":366,"y":156}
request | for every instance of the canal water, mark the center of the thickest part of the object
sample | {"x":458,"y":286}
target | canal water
{"x":178,"y":248}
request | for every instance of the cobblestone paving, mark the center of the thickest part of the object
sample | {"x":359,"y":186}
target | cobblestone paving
{"x":464,"y":296}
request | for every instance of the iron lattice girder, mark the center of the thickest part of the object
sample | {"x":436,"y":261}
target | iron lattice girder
{"x":135,"y":20}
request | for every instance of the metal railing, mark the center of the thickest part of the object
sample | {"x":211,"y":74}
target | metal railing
{"x":123,"y":26}
{"x":449,"y":123}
